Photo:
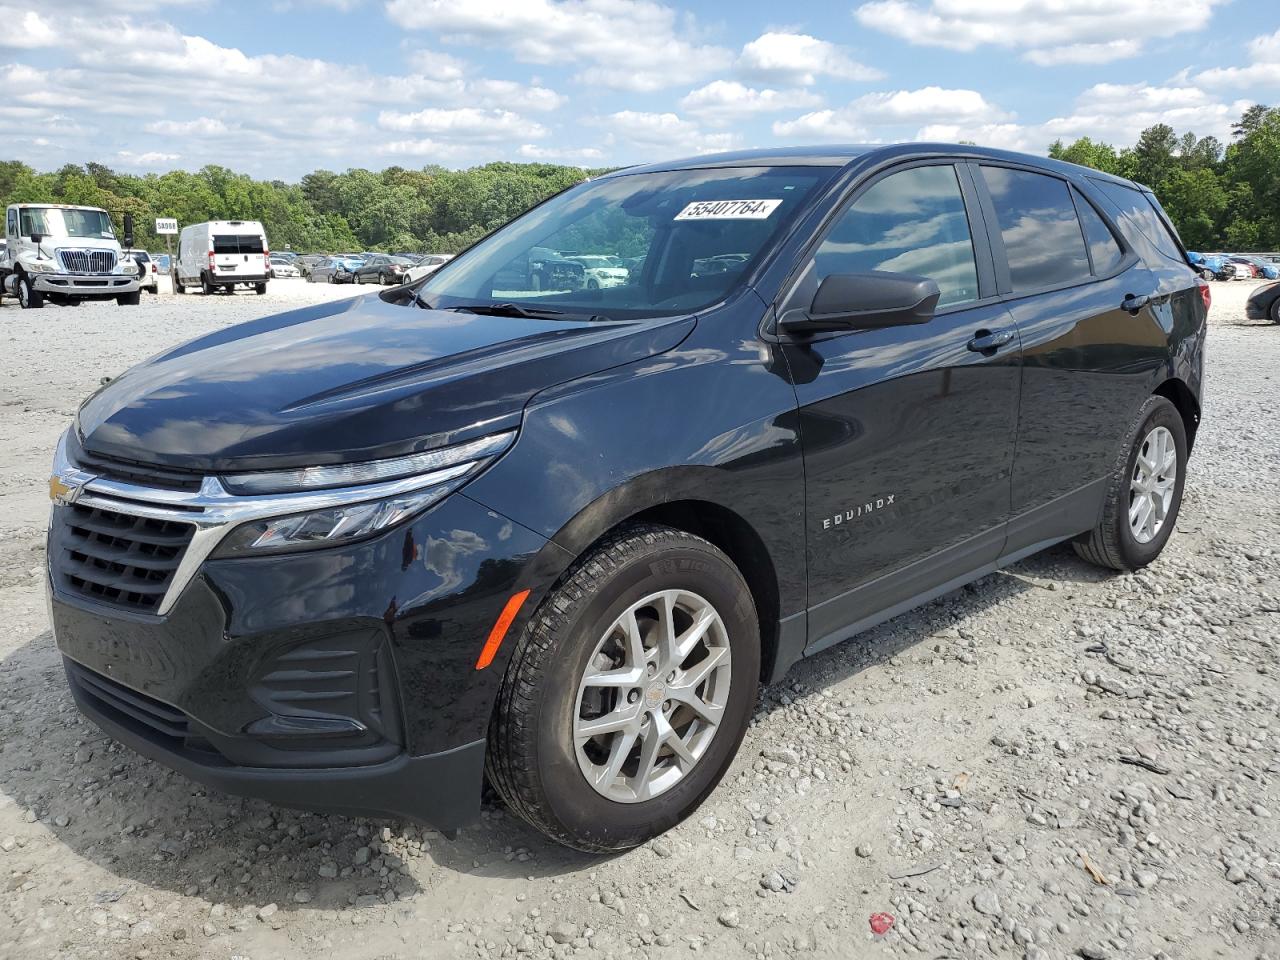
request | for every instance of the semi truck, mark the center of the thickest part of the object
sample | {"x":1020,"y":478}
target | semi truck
{"x":64,"y":254}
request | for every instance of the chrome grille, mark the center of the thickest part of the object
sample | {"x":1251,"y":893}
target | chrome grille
{"x":88,"y":261}
{"x":118,"y":558}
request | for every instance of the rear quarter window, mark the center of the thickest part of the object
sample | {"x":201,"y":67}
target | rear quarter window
{"x":1042,"y":237}
{"x":1104,"y":250}
{"x":1138,"y":215}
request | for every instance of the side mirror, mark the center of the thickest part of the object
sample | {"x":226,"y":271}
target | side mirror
{"x":866,"y":301}
{"x":36,"y":238}
{"x":128,"y":229}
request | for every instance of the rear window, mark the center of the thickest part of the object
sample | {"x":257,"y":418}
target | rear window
{"x":237,"y":243}
{"x":1137,"y":214}
{"x":1042,"y":237}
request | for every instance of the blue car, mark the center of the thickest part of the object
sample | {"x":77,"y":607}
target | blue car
{"x":1270,"y":270}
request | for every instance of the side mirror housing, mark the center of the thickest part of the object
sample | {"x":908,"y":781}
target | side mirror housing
{"x":866,"y":301}
{"x":36,"y":238}
{"x":128,"y":229}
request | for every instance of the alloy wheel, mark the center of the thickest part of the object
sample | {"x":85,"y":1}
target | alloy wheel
{"x":652,"y":696}
{"x":1151,"y":489}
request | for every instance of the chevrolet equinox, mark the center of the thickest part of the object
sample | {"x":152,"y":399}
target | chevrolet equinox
{"x":505,"y":523}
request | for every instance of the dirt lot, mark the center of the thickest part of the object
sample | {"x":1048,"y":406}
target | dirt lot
{"x":1052,"y":762}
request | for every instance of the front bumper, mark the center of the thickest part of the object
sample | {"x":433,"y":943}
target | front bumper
{"x":84,"y":285}
{"x":340,"y":679}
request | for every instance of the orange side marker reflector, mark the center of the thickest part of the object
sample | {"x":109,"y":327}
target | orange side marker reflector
{"x":500,"y":628}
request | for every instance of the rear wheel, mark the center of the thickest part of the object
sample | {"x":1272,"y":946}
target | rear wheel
{"x":1206,"y":274}
{"x":1144,"y":493}
{"x":629,"y":691}
{"x":1274,"y":312}
{"x":177,"y":284}
{"x":206,"y":286}
{"x":260,"y":288}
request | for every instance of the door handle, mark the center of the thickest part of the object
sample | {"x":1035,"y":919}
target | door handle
{"x":1134,"y":302}
{"x":989,"y":341}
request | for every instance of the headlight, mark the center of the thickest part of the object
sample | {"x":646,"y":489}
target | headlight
{"x":41,"y":266}
{"x":473,"y":454}
{"x":326,"y":528}
{"x":129,"y":268}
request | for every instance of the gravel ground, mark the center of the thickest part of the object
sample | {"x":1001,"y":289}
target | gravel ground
{"x":1052,"y":762}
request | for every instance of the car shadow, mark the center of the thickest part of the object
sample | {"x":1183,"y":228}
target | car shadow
{"x":150,"y":827}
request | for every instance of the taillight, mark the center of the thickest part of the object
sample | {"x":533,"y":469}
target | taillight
{"x":1205,"y":294}
{"x":211,"y":263}
{"x":266,"y":255}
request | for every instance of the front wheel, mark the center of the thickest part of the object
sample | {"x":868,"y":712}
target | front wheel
{"x":1274,"y":312}
{"x":1206,"y":274}
{"x":29,"y":298}
{"x":129,"y":299}
{"x":1144,"y":492}
{"x":629,"y":691}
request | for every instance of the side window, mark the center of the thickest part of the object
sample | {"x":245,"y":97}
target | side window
{"x":11,"y":223}
{"x":1042,"y":237}
{"x":1137,"y":213}
{"x":910,"y":222}
{"x":1103,"y":248}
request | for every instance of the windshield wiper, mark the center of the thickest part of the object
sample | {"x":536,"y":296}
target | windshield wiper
{"x":508,"y":309}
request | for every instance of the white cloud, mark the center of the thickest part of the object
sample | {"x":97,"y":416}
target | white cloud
{"x":797,"y":59}
{"x":1262,"y":71}
{"x":623,"y":44}
{"x":532,"y":151}
{"x":463,"y":123}
{"x":654,"y":135}
{"x":831,"y":125}
{"x":199,"y":127}
{"x":927,"y":103}
{"x":1052,"y":31}
{"x":727,"y":101}
{"x":152,"y":158}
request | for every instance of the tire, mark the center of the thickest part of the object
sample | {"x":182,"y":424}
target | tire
{"x":593,"y":285}
{"x":1114,"y":542}
{"x":1274,"y":312}
{"x":260,"y":288}
{"x":331,"y":280}
{"x":206,"y":287}
{"x":1206,"y":274}
{"x":532,"y":759}
{"x":29,"y":298}
{"x":129,"y":299}
{"x":178,"y":288}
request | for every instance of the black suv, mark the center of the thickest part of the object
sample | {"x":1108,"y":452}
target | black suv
{"x":361,"y":556}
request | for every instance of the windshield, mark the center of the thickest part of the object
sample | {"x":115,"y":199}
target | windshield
{"x":55,"y":222}
{"x":670,"y":242}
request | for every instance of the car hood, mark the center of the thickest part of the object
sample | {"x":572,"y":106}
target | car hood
{"x":357,"y":380}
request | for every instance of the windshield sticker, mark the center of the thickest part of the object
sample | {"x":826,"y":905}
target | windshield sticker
{"x":728,"y":210}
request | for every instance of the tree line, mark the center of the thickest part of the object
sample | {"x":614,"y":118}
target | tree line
{"x":431,"y":210}
{"x":1219,"y":196}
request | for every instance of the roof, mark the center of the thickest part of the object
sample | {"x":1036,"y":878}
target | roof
{"x":58,"y":206}
{"x":842,"y":155}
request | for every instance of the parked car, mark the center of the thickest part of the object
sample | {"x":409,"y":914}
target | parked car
{"x":426,"y":266}
{"x":1264,"y":268}
{"x":221,"y":255}
{"x":383,"y":269}
{"x":1236,"y":269}
{"x":1208,"y":265}
{"x":148,"y":270}
{"x":305,"y":262}
{"x":334,"y":270}
{"x":364,"y":556}
{"x":1264,"y":303}
{"x":282,"y":268}
{"x":601,"y":271}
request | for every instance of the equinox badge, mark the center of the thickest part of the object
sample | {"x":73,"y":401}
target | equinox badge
{"x":855,"y":513}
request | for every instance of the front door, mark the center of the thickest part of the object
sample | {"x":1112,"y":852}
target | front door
{"x":908,"y":432}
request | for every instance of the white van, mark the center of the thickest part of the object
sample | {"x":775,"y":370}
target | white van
{"x":220,"y":254}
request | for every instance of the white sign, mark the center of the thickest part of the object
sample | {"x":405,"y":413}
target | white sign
{"x":728,"y":210}
{"x":166,"y":225}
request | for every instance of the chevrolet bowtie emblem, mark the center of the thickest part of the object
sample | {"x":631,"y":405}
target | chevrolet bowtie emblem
{"x":61,"y":492}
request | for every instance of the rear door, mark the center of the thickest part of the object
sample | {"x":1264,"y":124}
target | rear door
{"x":1090,"y":344}
{"x":907,"y":431}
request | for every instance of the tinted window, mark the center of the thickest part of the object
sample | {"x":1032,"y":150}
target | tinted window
{"x":911,"y":222}
{"x":237,"y":243}
{"x":1103,"y":247}
{"x":1137,"y":213}
{"x":1042,"y":237}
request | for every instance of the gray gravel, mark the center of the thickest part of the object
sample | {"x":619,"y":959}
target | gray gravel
{"x":1050,"y":763}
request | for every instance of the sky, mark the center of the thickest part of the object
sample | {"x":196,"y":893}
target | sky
{"x":278,"y":88}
